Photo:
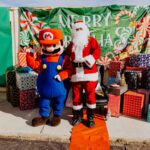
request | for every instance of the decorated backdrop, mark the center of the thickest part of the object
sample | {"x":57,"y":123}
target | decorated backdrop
{"x":120,"y":30}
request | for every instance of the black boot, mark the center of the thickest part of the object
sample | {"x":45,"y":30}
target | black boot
{"x":90,"y":117}
{"x":77,"y":116}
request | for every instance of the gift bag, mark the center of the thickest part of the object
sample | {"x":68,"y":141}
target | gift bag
{"x":114,"y":67}
{"x":131,"y":78}
{"x":69,"y":102}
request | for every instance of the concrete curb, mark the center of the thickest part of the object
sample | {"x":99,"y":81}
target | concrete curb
{"x":35,"y":137}
{"x":129,"y":144}
{"x":28,"y":142}
{"x":17,"y":144}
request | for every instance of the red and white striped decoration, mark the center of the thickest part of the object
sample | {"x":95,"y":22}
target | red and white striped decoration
{"x":121,"y":13}
{"x":30,"y":22}
{"x":22,"y":59}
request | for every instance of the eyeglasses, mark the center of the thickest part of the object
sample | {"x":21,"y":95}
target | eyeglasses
{"x":78,"y":29}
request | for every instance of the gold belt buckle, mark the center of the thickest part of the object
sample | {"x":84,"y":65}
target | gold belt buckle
{"x":80,"y":64}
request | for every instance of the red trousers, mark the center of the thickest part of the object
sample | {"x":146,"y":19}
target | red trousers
{"x":89,"y":87}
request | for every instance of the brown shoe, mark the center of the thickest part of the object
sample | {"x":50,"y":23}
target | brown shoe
{"x":38,"y":121}
{"x":56,"y":121}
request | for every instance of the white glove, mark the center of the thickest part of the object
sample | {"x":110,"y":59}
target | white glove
{"x":30,"y":50}
{"x":57,"y":77}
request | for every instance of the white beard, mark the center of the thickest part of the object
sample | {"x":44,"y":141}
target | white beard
{"x":80,"y":40}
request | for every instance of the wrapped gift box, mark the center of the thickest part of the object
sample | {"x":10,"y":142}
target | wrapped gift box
{"x":11,"y":88}
{"x":140,"y":60}
{"x":148,"y":114}
{"x":22,"y":59}
{"x":12,"y":95}
{"x":131,"y":78}
{"x":26,"y":81}
{"x":141,"y":75}
{"x":146,"y":99}
{"x":117,"y":90}
{"x":17,"y":89}
{"x":133,"y":104}
{"x":27,"y":99}
{"x":114,"y":105}
{"x":148,"y":78}
{"x":143,"y":69}
{"x":11,"y":78}
{"x":135,"y":79}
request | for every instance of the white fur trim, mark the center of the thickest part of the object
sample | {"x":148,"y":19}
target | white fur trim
{"x":79,"y":58}
{"x":78,"y":107}
{"x":79,"y":25}
{"x":85,"y":77}
{"x":92,"y":106}
{"x":80,"y":72}
{"x":78,"y":51}
{"x":89,"y":60}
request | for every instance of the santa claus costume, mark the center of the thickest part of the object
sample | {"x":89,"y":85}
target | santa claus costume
{"x":83,"y":51}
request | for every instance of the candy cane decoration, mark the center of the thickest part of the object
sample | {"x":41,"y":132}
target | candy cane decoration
{"x":26,"y":21}
{"x":31,"y":21}
{"x":121,"y":13}
{"x":137,"y":8}
{"x":105,"y":61}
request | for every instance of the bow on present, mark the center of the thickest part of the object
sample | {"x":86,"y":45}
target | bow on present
{"x":105,"y":61}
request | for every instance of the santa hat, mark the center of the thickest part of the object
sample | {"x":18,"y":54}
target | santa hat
{"x":50,"y":36}
{"x":79,"y":24}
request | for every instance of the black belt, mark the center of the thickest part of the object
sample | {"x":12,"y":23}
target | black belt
{"x":79,"y":64}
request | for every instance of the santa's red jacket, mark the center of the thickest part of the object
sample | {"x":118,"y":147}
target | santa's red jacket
{"x":88,"y":55}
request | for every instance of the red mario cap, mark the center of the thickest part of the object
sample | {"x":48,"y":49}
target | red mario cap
{"x":50,"y":36}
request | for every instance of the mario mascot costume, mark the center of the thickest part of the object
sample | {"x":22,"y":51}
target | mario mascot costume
{"x":51,"y":89}
{"x":83,"y":50}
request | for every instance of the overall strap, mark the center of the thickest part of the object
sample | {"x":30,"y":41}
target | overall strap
{"x":43,"y":59}
{"x":61,"y":58}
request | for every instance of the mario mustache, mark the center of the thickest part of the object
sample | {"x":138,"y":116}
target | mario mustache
{"x":53,"y":52}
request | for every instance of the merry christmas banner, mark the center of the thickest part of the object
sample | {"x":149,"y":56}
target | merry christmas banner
{"x":120,"y":30}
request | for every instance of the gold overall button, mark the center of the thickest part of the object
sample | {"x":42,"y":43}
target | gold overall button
{"x":44,"y":66}
{"x":59,"y":67}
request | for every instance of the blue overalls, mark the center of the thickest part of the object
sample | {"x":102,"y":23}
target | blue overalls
{"x":51,"y":91}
